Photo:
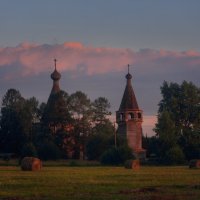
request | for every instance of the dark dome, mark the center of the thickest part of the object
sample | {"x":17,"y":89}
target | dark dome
{"x":128,"y":76}
{"x":55,"y":75}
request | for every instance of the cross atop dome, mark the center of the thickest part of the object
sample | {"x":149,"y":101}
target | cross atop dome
{"x":55,"y":60}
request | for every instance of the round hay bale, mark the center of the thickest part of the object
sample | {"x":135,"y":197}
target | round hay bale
{"x":194,"y":164}
{"x":132,"y":164}
{"x":31,"y":164}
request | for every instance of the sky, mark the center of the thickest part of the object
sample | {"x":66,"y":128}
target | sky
{"x":94,"y":41}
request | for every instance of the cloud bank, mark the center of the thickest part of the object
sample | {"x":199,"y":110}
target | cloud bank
{"x":151,"y":66}
{"x":29,"y":59}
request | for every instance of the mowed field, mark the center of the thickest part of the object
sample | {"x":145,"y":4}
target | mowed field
{"x":100,"y":183}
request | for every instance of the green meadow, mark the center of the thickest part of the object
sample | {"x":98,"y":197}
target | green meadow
{"x":100,"y":183}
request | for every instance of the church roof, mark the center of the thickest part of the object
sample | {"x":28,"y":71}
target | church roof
{"x":129,"y":101}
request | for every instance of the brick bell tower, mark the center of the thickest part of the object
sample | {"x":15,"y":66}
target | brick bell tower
{"x":129,"y":119}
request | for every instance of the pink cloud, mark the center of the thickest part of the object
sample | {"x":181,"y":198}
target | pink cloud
{"x":76,"y":57}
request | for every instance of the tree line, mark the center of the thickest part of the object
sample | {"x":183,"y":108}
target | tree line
{"x":73,"y":126}
{"x":67,"y":126}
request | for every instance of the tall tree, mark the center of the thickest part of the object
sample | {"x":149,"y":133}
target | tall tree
{"x":80,"y":105}
{"x":80,"y":109}
{"x":29,"y":114}
{"x":17,"y":117}
{"x":101,"y":110}
{"x":166,"y":130}
{"x":12,"y":99}
{"x":183,"y":102}
{"x":179,"y":115}
{"x":11,"y":127}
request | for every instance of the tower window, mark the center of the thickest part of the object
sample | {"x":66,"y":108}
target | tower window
{"x":121,"y":116}
{"x":130,"y":116}
{"x":139,"y":115}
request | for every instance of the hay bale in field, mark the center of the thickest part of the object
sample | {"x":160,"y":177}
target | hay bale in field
{"x":31,"y":164}
{"x":132,"y":164}
{"x":194,"y":164}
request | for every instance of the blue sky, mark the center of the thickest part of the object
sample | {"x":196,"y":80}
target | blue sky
{"x":94,"y":41}
{"x":172,"y":24}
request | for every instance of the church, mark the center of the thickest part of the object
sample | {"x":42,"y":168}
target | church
{"x":129,"y":118}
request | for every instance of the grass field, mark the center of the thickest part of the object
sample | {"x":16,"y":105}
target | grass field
{"x":100,"y":183}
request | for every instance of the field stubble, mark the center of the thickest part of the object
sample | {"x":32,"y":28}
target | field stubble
{"x":100,"y":183}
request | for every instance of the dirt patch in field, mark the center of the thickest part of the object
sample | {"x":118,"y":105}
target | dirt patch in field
{"x":167,"y":197}
{"x":155,"y":193}
{"x":157,"y":189}
{"x":140,"y":190}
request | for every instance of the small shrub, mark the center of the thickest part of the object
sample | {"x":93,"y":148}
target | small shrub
{"x":125,"y":153}
{"x":111,"y":157}
{"x":73,"y":163}
{"x":175,"y":156}
{"x":116,"y":156}
{"x":49,"y":151}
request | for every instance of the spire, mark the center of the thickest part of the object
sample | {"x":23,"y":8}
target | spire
{"x":55,"y":76}
{"x":129,"y":101}
{"x":55,"y":63}
{"x":128,"y":76}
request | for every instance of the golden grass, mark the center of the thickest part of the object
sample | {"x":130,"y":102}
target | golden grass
{"x":100,"y":183}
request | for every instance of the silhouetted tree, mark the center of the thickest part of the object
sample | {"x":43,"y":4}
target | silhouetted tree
{"x":81,"y":112}
{"x":100,"y":108}
{"x":17,"y":117}
{"x":179,"y":118}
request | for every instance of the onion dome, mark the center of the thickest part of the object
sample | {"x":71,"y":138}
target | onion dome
{"x":128,"y":76}
{"x":55,"y":75}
